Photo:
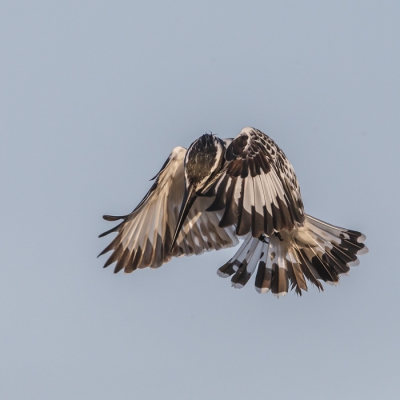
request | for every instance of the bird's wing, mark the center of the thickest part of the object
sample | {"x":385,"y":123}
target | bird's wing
{"x":145,"y":236}
{"x":257,"y":189}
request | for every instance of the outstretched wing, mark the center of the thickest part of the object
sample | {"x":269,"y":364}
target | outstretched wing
{"x":258,"y":189}
{"x":145,"y":236}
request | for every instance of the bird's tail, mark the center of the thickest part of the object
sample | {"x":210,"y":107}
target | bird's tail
{"x":316,"y":251}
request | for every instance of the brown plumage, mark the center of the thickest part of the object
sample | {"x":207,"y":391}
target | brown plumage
{"x":218,"y":190}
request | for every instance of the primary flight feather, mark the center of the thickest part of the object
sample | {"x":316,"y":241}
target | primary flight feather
{"x":205,"y":197}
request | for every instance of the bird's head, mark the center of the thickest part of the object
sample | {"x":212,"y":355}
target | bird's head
{"x":203,"y":161}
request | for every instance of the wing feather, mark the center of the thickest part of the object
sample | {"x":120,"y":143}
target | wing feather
{"x":144,"y":237}
{"x":257,"y":188}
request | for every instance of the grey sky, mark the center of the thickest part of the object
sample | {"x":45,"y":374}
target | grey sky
{"x":94,"y":95}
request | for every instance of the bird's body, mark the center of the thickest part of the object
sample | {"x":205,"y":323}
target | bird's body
{"x":218,"y":190}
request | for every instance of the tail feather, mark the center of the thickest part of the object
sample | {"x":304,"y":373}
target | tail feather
{"x":248,"y":266}
{"x":243,"y":264}
{"x":308,"y":269}
{"x":263,"y":278}
{"x":279,"y":281}
{"x":325,"y":271}
{"x":264,"y":272}
{"x":316,"y":251}
{"x":235,"y":262}
{"x":295,"y":273}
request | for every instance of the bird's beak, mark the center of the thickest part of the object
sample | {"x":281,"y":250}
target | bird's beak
{"x":188,"y":199}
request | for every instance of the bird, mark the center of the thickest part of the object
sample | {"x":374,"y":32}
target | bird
{"x":220,"y":192}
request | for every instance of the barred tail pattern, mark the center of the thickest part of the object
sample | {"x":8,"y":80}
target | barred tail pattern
{"x":314,"y":252}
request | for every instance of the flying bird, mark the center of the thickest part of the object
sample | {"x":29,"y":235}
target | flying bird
{"x":219,"y":190}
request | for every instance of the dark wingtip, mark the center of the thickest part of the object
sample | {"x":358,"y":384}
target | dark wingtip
{"x":113,"y":217}
{"x":360,"y":237}
{"x":115,"y":229}
{"x":162,"y":168}
{"x":106,"y":250}
{"x":105,"y":233}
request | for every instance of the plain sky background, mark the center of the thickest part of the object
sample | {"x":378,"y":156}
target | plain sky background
{"x":93,"y":97}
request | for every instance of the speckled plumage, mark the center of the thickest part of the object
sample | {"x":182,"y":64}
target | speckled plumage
{"x":218,"y":190}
